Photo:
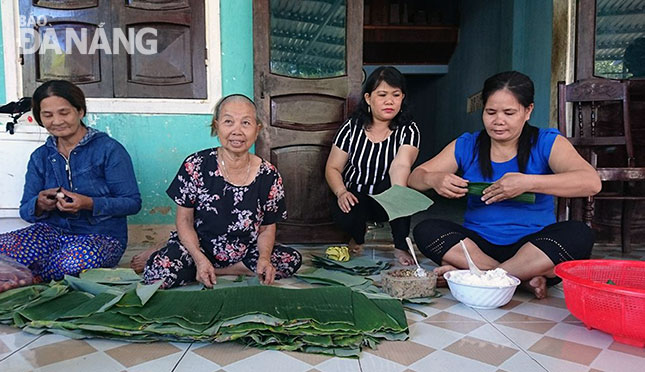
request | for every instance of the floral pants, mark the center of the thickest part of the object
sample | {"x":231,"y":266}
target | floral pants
{"x":175,"y":266}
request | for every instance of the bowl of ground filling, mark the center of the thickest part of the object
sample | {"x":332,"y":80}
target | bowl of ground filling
{"x":404,"y":283}
{"x":493,"y":289}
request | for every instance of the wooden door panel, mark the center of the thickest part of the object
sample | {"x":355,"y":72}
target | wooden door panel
{"x":323,"y":112}
{"x":171,"y":65}
{"x":158,"y":5}
{"x":74,"y":66}
{"x":278,"y":85}
{"x":294,"y":162}
{"x":92,"y":73}
{"x":66,"y":5}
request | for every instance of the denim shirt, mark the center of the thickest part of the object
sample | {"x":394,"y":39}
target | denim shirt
{"x":99,"y":167}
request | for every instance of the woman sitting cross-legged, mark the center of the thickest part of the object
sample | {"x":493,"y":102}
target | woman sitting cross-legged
{"x":228,"y":203}
{"x":79,"y":189}
{"x":373,"y":150}
{"x":523,"y":239}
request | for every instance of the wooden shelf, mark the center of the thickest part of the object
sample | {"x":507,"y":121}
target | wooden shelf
{"x":409,"y":44}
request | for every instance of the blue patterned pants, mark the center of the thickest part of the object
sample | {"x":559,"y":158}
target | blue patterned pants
{"x":50,"y":254}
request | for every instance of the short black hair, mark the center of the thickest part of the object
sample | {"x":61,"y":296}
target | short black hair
{"x":58,"y":88}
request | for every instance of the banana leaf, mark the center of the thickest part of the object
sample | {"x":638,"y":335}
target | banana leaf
{"x":399,"y":201}
{"x":195,"y":307}
{"x":146,"y":291}
{"x":477,"y":188}
{"x":92,"y":306}
{"x":56,"y":308}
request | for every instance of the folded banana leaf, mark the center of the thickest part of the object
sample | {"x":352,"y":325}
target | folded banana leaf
{"x":356,"y":266}
{"x":477,"y":188}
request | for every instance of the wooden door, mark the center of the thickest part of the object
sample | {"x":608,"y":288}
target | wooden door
{"x":307,"y":77}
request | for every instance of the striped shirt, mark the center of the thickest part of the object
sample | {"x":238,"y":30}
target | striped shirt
{"x":369,"y":163}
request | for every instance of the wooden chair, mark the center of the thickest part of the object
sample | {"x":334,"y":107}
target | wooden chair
{"x":591,"y":140}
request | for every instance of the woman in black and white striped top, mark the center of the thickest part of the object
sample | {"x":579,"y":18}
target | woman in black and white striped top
{"x":372,"y":150}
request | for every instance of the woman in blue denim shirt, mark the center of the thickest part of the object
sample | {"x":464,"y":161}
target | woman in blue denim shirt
{"x":79,"y":188}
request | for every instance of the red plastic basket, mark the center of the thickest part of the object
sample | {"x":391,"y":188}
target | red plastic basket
{"x":616,"y":309}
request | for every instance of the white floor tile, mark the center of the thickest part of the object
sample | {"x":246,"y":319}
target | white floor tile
{"x":95,"y":362}
{"x":269,"y":361}
{"x":16,"y":341}
{"x":432,"y":336}
{"x":489,"y":333}
{"x":192,"y":362}
{"x":581,"y":335}
{"x":166,"y":363}
{"x":614,"y":361}
{"x":558,"y":365}
{"x":15,"y":363}
{"x":555,"y":314}
{"x":522,"y":362}
{"x":467,"y":311}
{"x":104,"y":344}
{"x":524,"y":339}
{"x":373,"y":363}
{"x":443,"y":361}
{"x":339,"y":365}
{"x":492,"y":315}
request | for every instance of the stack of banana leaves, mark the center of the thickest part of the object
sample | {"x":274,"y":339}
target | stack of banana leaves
{"x":356,"y":266}
{"x":333,"y":320}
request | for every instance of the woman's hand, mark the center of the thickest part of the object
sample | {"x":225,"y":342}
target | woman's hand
{"x":46,"y":201}
{"x":265,"y":270}
{"x":205,"y":271}
{"x":507,"y":187}
{"x":346,"y":200}
{"x":451,"y":186}
{"x":71,"y":202}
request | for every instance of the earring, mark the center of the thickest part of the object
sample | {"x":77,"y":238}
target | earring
{"x":369,"y":108}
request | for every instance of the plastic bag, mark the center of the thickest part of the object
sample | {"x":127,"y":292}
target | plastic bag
{"x":13,"y":274}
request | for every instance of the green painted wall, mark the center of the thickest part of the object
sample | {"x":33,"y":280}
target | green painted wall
{"x":236,"y":23}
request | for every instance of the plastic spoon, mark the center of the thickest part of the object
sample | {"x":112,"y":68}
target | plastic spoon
{"x":419,"y":271}
{"x":471,"y":265}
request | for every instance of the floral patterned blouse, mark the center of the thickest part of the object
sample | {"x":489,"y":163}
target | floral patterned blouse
{"x":227,"y":217}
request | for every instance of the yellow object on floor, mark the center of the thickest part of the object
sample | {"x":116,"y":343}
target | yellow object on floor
{"x":338,"y":253}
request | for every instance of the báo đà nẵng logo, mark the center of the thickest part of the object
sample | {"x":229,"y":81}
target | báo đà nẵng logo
{"x":37,"y":35}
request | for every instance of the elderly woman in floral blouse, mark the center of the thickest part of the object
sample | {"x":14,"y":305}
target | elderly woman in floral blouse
{"x":228,"y":202}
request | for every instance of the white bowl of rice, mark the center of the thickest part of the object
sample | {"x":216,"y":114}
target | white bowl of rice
{"x":489,"y":291}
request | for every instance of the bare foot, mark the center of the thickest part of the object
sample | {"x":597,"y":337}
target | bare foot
{"x":537,"y":286}
{"x":138,"y":262}
{"x":441,"y":282}
{"x":403,"y":257}
{"x":355,"y":249}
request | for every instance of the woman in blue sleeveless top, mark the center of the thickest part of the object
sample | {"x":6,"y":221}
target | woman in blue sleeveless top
{"x":522,"y":238}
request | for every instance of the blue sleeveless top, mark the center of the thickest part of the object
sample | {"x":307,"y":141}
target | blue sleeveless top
{"x":508,"y":221}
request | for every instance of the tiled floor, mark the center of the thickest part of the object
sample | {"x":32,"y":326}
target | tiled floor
{"x":526,"y":335}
